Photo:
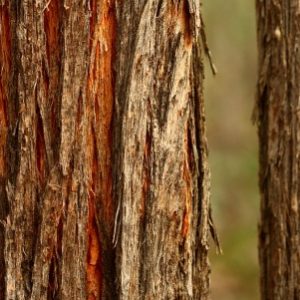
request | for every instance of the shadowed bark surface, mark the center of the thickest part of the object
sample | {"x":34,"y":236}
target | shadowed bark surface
{"x":104,"y":190}
{"x":278,"y":118}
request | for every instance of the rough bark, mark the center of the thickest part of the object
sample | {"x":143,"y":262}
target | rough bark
{"x":279,"y":127}
{"x":103,"y":163}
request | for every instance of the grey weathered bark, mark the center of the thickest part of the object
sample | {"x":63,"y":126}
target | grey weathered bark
{"x":103,"y":162}
{"x":279,"y":127}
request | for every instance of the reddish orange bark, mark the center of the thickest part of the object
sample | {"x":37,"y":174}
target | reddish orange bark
{"x":5,"y":67}
{"x":185,"y":19}
{"x":100,"y":96}
{"x":179,"y":14}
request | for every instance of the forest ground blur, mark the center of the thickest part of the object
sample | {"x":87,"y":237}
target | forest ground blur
{"x":231,"y":33}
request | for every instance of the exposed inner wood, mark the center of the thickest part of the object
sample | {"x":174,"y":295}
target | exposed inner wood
{"x":100,"y":94}
{"x":179,"y":14}
{"x":185,"y":19}
{"x":94,"y":271}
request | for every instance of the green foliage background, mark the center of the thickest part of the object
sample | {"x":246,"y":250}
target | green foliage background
{"x":230,"y":27}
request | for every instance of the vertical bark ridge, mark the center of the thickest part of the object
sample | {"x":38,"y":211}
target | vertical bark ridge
{"x":55,"y":192}
{"x":72,"y":148}
{"x":45,"y":276}
{"x":161,"y":257}
{"x":201,"y":207}
{"x":22,"y":195}
{"x":75,"y":63}
{"x":278,"y":92}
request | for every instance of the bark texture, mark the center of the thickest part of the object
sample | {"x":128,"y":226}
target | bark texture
{"x":279,"y":134}
{"x":104,"y":185}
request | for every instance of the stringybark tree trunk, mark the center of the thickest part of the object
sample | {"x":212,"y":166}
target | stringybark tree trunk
{"x":279,"y":135}
{"x":104,"y":190}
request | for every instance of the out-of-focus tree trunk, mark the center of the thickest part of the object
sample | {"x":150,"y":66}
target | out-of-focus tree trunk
{"x":279,"y":133}
{"x":103,"y":163}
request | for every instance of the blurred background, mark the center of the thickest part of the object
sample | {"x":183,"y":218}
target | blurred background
{"x":230,"y":27}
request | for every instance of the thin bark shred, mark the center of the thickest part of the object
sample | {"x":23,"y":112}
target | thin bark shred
{"x":277,"y":114}
{"x":104,"y":190}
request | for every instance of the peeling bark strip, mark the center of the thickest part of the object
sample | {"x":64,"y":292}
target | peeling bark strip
{"x":160,"y":171}
{"x":104,"y":184}
{"x":279,"y":128}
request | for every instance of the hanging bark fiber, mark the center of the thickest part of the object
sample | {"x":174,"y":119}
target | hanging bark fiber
{"x":104,"y":185}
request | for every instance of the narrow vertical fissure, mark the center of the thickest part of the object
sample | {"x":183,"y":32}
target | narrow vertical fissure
{"x":54,"y":49}
{"x":188,"y":177}
{"x":145,"y":201}
{"x":146,"y":173}
{"x":40,"y":149}
{"x":94,"y":271}
{"x":185,"y":19}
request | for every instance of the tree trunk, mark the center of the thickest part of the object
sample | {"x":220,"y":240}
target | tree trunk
{"x":279,"y":128}
{"x":104,"y":190}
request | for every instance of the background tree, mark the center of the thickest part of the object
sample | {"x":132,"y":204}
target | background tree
{"x":103,"y":160}
{"x":279,"y":120}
